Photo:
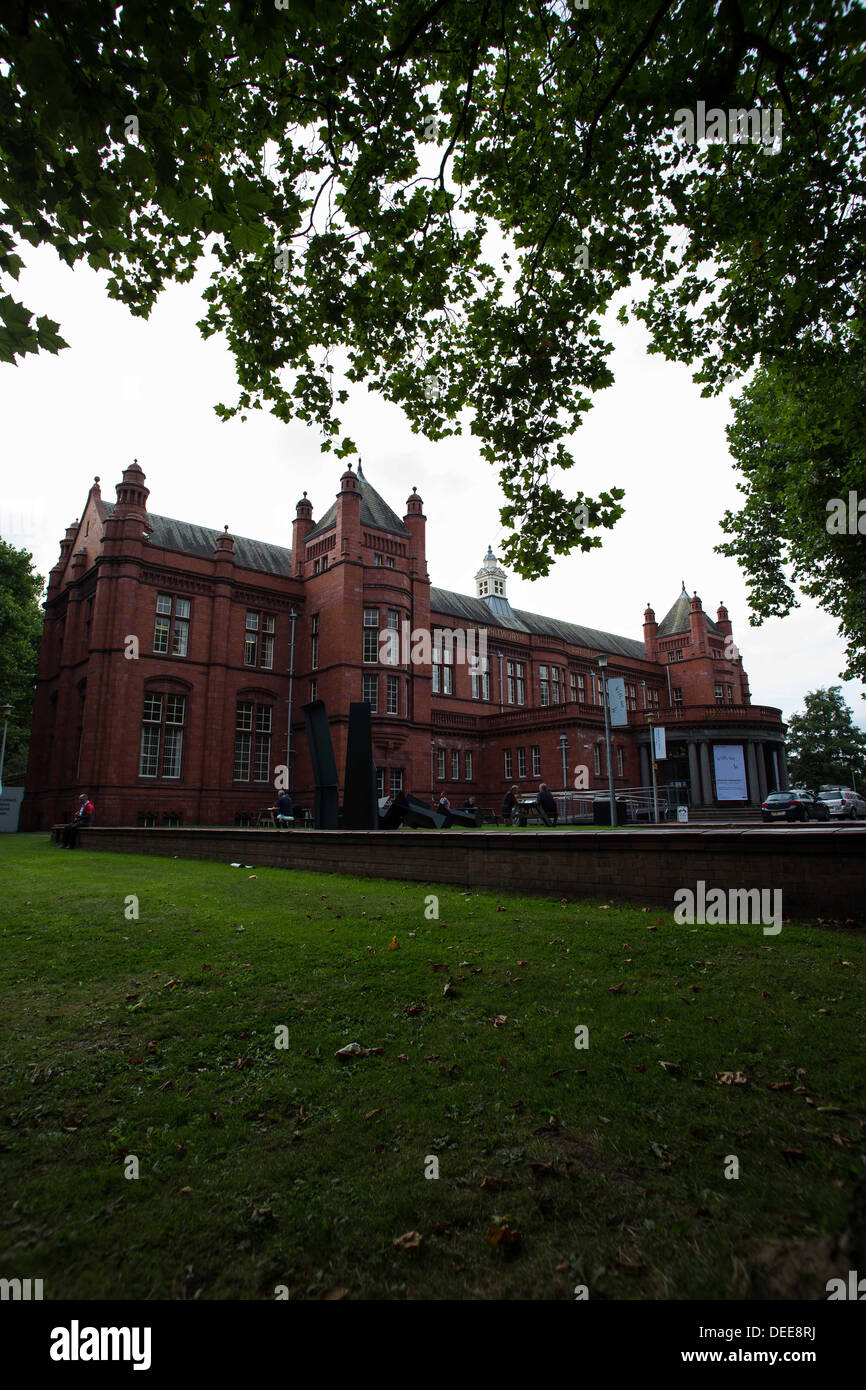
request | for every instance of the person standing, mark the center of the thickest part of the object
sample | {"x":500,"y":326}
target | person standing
{"x":546,"y":805}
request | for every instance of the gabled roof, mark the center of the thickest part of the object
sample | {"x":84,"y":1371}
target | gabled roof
{"x":374,"y":512}
{"x":677,"y":618}
{"x":478,"y":610}
{"x":189,"y":539}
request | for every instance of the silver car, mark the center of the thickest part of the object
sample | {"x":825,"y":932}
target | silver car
{"x":843,"y":803}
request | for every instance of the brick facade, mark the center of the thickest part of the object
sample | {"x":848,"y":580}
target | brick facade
{"x":171,"y":652}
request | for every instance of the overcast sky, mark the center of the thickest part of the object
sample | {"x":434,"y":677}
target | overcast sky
{"x":129,"y":388}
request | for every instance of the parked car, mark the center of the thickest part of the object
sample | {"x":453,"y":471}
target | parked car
{"x":843,"y":802}
{"x":797,"y":804}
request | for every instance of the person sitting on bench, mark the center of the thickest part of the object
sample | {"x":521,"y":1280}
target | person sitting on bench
{"x":546,"y":805}
{"x":83,"y":816}
{"x":285,"y":810}
{"x":511,"y":807}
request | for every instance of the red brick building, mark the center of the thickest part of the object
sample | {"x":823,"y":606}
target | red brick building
{"x":175,"y":661}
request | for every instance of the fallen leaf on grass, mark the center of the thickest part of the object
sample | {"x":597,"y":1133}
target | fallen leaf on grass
{"x":410,"y":1242}
{"x":350,"y":1050}
{"x":370,"y":1113}
{"x":616,"y":989}
{"x":670,"y":1066}
{"x":497,"y":1020}
{"x":503,"y":1236}
{"x":792,"y":1153}
{"x":449,"y":991}
{"x":394,"y":944}
{"x":731,"y":1078}
{"x":494,"y":1184}
{"x":842,"y":1142}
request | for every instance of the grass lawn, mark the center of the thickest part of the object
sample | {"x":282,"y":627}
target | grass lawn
{"x":262,"y":1166}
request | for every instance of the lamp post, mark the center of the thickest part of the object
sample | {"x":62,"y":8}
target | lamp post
{"x":563,"y":748}
{"x":602,"y":663}
{"x":432,"y":769}
{"x":7,"y":710}
{"x":652,"y":751}
{"x":293,"y":619}
{"x":842,"y":756}
{"x":501,"y":696}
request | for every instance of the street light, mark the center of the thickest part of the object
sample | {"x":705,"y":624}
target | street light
{"x":602,"y":664}
{"x":563,"y":748}
{"x":293,"y":619}
{"x":843,"y":757}
{"x":652,"y":752}
{"x":7,"y":710}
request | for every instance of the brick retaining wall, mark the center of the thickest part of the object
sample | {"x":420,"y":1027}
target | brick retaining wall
{"x":820,"y":871}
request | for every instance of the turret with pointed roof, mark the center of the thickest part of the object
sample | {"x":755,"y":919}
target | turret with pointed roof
{"x":375,"y":511}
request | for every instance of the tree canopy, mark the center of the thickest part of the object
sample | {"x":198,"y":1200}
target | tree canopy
{"x":824,"y":744}
{"x":799,"y":436}
{"x":20,"y":632}
{"x":441,"y":198}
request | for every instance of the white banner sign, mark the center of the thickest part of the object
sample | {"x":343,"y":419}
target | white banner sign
{"x":730,"y":768}
{"x":10,"y":805}
{"x":659,"y":746}
{"x":616,"y":700}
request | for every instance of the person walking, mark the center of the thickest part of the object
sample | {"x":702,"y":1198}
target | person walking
{"x":546,"y":805}
{"x":83,"y":817}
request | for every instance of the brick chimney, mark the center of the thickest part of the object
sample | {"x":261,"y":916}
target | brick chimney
{"x":650,"y":629}
{"x":348,"y":534}
{"x":301,"y":528}
{"x":416,"y":524}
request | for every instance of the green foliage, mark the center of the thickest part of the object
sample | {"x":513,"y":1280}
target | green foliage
{"x":20,"y":633}
{"x":399,"y":189}
{"x":824,"y":743}
{"x":799,"y":439}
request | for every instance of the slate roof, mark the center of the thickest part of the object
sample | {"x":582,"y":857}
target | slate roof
{"x":188,"y":539}
{"x":677,"y":618}
{"x":477,"y":610}
{"x":374,"y":512}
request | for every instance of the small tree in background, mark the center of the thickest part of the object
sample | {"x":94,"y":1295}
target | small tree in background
{"x":20,"y":631}
{"x":824,"y":744}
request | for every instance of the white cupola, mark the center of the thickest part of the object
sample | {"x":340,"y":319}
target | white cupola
{"x":490,"y":579}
